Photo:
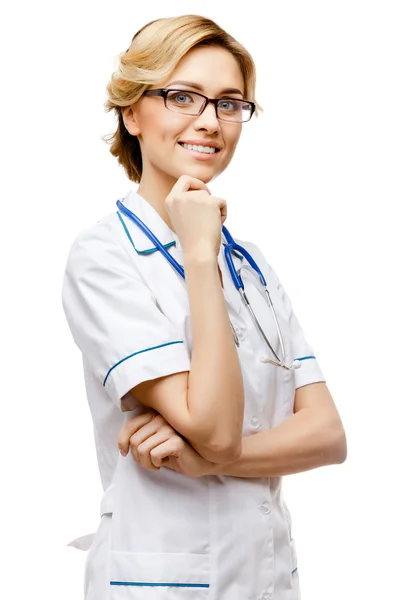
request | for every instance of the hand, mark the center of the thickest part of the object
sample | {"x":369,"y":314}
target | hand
{"x":155,"y":444}
{"x":196,"y":215}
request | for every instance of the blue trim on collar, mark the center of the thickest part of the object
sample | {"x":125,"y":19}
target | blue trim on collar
{"x":140,"y":584}
{"x":150,"y":250}
{"x":139,"y":352}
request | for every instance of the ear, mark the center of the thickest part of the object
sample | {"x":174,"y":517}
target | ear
{"x":131,"y":121}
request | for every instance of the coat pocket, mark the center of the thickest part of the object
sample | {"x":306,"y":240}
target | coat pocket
{"x":159,"y":576}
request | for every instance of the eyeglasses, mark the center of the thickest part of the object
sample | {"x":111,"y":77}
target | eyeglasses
{"x":192,"y":104}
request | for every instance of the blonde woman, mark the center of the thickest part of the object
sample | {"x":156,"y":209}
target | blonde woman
{"x":200,"y":401}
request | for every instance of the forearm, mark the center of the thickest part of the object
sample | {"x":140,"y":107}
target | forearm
{"x":215,"y":386}
{"x":305,"y":441}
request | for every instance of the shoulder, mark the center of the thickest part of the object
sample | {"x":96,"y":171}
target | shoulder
{"x":251,"y":247}
{"x":98,"y":243}
{"x":257,"y":254}
{"x":99,"y":270}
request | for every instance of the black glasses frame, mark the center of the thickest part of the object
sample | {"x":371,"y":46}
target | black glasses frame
{"x":164,"y":93}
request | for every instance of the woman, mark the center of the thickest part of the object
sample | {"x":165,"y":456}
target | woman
{"x":178,"y":375}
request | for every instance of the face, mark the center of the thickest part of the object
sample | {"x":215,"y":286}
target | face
{"x":161,"y":132}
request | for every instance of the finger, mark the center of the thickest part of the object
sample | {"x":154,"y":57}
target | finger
{"x":200,"y":196}
{"x":141,"y":436}
{"x":224,"y":213}
{"x":130,"y":427}
{"x":171,"y":447}
{"x":148,"y":430}
{"x":223,"y":207}
{"x":205,"y":188}
{"x":144,"y":450}
{"x":186,"y":183}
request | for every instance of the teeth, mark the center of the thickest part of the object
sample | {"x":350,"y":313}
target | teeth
{"x":204,"y":149}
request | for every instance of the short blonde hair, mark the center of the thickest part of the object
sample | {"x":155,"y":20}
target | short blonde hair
{"x":151,"y":58}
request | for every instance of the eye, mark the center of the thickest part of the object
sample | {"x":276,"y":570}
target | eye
{"x":230,"y":105}
{"x":180,"y":98}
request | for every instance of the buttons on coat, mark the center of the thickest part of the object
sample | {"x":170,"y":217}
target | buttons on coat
{"x":264,"y":596}
{"x":241,"y":335}
{"x":255,"y":422}
{"x":265,"y":508}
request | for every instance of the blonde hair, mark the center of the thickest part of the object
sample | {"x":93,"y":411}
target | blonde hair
{"x":151,"y":58}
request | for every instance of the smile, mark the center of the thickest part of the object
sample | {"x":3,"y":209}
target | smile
{"x":205,"y":149}
{"x":201,"y":152}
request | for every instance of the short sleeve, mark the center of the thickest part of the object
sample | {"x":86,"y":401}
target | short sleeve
{"x":310,"y":370}
{"x":114,"y":318}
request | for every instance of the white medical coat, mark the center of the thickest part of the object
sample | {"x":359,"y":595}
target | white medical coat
{"x":173,"y":537}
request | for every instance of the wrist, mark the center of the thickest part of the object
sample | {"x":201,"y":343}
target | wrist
{"x":211,"y":468}
{"x":196,"y":258}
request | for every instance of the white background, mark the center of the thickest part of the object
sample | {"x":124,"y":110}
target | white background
{"x":314,"y":182}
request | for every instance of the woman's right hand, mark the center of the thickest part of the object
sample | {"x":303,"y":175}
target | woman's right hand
{"x":196,"y":215}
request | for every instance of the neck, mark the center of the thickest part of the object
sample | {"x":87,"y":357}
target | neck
{"x":154,"y":189}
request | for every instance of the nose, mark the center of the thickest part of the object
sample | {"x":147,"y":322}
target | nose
{"x":208,"y":119}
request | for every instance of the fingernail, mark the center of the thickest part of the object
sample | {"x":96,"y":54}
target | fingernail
{"x":123,"y":452}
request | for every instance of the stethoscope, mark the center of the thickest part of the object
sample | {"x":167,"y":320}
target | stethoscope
{"x":230,"y":246}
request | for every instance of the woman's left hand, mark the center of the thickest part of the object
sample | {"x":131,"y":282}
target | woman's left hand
{"x":155,"y":444}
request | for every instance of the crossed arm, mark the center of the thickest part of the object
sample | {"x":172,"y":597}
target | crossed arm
{"x":312,"y":438}
{"x":202,"y":410}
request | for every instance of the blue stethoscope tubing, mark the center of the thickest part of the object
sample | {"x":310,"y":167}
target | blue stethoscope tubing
{"x":237,"y":280}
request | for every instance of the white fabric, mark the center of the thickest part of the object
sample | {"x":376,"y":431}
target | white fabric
{"x":218,"y":537}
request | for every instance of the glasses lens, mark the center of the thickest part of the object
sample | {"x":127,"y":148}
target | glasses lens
{"x":188,"y":103}
{"x":234,"y":110}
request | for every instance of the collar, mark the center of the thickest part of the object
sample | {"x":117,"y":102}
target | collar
{"x":144,"y":246}
{"x":150,"y":217}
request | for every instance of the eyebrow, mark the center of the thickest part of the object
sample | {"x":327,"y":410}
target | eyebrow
{"x":197,"y":86}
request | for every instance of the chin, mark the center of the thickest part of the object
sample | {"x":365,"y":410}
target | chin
{"x":205,"y":175}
